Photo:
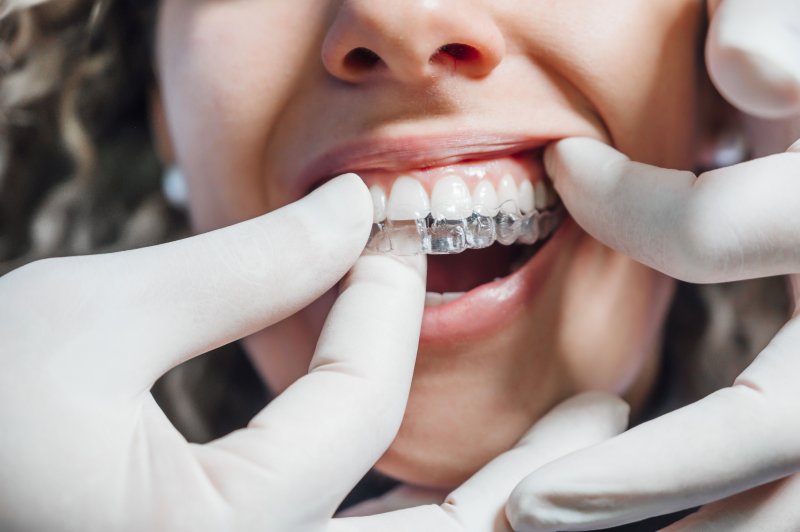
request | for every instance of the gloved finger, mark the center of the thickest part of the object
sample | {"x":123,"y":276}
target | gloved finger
{"x":574,"y":424}
{"x":131,"y":316}
{"x":729,"y":224}
{"x":478,"y":504}
{"x":733,"y":440}
{"x":753,"y":55}
{"x":770,"y":507}
{"x":320,"y":436}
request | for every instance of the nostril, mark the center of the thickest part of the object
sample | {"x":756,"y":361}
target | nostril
{"x":459,"y":52}
{"x":359,"y":59}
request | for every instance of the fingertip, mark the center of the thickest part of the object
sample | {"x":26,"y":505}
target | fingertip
{"x":752,"y":59}
{"x":578,"y":158}
{"x":386,"y":269}
{"x":345,"y":205}
{"x":755,"y":83}
{"x":526,"y":510}
{"x":604,"y":404}
{"x":611,"y":410}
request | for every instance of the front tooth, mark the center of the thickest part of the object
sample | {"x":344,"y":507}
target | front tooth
{"x":408,"y":200}
{"x":507,"y":194}
{"x":526,"y":201}
{"x":540,"y":194}
{"x":378,"y":203}
{"x":450,"y":199}
{"x":484,"y":199}
{"x":433,"y":299}
{"x":447,"y":297}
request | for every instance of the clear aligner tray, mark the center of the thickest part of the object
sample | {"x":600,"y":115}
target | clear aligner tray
{"x":441,"y":236}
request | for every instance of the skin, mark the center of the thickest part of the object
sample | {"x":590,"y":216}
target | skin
{"x":254,"y":90}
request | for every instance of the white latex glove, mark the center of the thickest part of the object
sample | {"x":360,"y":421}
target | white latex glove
{"x":83,"y":444}
{"x":734,"y":223}
{"x":753,"y":55}
{"x":477,"y":505}
{"x":84,"y":447}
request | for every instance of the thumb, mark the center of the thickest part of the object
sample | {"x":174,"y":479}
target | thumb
{"x":753,"y":55}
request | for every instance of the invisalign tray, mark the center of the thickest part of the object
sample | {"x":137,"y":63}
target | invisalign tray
{"x":441,"y":236}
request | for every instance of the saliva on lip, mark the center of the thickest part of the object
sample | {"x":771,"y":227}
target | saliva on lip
{"x":442,"y":236}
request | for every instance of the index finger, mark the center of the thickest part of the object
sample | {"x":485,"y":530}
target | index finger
{"x":729,"y":224}
{"x":730,"y":441}
{"x":321,"y":435}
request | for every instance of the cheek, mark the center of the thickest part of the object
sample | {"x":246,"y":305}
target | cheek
{"x":638,"y":69}
{"x":226,"y":69}
{"x":603,"y":353}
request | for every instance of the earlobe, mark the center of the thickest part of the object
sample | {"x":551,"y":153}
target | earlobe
{"x":162,"y":141}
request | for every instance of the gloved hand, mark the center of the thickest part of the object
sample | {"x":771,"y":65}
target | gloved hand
{"x":738,"y":450}
{"x":733,"y":223}
{"x":84,"y":447}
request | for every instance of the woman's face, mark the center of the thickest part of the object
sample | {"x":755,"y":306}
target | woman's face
{"x":265,"y":98}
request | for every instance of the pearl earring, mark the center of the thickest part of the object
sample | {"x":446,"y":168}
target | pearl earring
{"x":173,"y":185}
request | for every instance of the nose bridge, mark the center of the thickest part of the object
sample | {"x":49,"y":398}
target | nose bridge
{"x":411,"y":40}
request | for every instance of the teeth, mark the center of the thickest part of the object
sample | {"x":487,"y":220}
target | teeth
{"x":450,"y":199}
{"x":434,"y":299}
{"x":540,"y":194}
{"x":507,"y":194}
{"x":408,"y":200}
{"x":378,"y":203}
{"x":526,"y":200}
{"x":484,"y":199}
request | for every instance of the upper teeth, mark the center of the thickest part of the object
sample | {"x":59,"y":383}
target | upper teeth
{"x":451,"y":198}
{"x":378,"y":203}
{"x":408,"y":200}
{"x":484,"y":199}
{"x":526,"y":197}
{"x":507,"y":194}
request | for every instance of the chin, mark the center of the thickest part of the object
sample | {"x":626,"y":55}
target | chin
{"x":472,"y":398}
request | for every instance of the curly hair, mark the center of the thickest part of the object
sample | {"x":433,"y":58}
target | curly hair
{"x":79,"y":174}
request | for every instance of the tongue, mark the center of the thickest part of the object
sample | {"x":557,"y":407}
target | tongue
{"x":465,"y":271}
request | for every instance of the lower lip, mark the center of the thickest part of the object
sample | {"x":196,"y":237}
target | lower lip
{"x":487,"y":309}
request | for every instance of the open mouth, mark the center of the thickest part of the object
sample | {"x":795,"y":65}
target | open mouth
{"x":475,"y":285}
{"x":478,"y":220}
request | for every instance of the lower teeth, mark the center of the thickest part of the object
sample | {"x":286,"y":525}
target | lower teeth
{"x":444,"y":237}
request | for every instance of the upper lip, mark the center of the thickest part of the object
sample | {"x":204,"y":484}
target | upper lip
{"x":410,"y":153}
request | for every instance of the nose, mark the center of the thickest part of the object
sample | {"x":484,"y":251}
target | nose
{"x":412,"y":41}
